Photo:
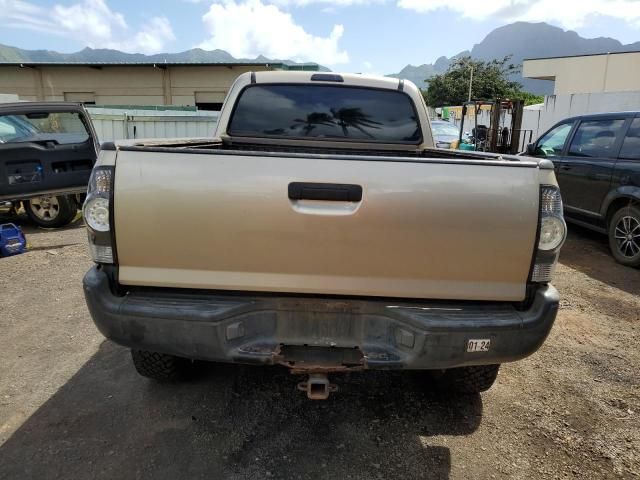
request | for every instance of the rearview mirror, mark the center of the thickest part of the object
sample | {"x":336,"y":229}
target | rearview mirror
{"x":531,"y":149}
{"x":37,"y":115}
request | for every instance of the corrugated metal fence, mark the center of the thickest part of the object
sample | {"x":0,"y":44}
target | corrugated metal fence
{"x":121,"y":123}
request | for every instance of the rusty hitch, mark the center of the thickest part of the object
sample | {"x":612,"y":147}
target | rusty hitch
{"x":317,"y":386}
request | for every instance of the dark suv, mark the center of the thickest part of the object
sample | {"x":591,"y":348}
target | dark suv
{"x":47,"y":151}
{"x":597,"y":163}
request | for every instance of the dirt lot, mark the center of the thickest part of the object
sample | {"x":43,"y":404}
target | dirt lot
{"x":71,"y":405}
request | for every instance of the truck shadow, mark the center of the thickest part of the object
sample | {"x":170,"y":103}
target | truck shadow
{"x":588,"y":252}
{"x":236,"y":422}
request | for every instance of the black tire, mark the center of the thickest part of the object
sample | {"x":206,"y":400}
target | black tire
{"x":160,"y":366}
{"x":51,"y":211}
{"x":624,"y":236}
{"x":468,"y":380}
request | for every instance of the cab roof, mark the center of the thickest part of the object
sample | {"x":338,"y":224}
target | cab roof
{"x":347,"y":79}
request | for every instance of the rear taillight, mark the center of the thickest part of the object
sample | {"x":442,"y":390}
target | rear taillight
{"x":552,"y":234}
{"x":97,"y":212}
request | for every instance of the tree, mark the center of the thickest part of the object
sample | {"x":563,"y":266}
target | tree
{"x":529,"y":98}
{"x":490,"y":80}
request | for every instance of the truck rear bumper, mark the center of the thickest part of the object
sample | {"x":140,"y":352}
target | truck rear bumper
{"x":309,"y":333}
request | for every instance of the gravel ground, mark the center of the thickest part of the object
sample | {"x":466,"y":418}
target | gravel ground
{"x":71,"y":405}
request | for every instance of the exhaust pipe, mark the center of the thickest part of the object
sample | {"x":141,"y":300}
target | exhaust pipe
{"x":317,"y":386}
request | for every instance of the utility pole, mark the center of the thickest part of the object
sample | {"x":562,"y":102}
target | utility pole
{"x":470,"y":82}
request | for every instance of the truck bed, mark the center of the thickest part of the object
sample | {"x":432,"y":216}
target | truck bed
{"x":206,"y":145}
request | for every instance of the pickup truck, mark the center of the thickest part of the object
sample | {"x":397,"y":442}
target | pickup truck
{"x":319,"y":229}
{"x":47,"y":152}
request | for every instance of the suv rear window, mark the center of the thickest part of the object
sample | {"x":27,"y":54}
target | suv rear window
{"x":61,"y":128}
{"x":325,"y":111}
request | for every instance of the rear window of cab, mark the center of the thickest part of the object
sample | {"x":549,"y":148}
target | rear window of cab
{"x":325,"y":112}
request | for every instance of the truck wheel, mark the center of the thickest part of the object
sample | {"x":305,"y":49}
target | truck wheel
{"x":159,"y":366}
{"x":624,"y":236}
{"x":51,"y":212}
{"x":473,"y":379}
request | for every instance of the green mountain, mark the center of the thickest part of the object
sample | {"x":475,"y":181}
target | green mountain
{"x":520,"y":40}
{"x":87,"y":55}
{"x":419,"y":74}
{"x":523,"y":40}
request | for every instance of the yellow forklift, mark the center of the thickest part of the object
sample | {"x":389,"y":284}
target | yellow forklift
{"x":504,"y":134}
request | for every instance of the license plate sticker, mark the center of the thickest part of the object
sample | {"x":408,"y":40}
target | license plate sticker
{"x":478,"y":345}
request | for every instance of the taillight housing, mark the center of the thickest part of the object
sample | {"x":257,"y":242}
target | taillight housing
{"x":552,"y":232}
{"x":98,"y":214}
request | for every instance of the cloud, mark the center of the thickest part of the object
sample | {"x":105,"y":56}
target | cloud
{"x":333,"y":3}
{"x":153,"y":36}
{"x":91,"y":22}
{"x":251,"y":28}
{"x":567,"y":13}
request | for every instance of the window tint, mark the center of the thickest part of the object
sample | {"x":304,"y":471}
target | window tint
{"x":325,"y":111}
{"x":62,"y":128}
{"x":631,"y":146}
{"x":595,"y":138}
{"x":552,"y":143}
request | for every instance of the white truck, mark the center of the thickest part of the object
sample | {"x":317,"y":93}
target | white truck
{"x":320,"y":230}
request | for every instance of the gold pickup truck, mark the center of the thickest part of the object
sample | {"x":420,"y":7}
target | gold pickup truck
{"x":320,"y":230}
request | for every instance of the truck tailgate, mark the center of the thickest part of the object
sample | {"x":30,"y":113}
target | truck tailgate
{"x":423,"y":229}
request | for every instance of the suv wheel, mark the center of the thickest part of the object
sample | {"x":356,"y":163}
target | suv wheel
{"x":624,"y":236}
{"x":160,"y":366}
{"x":49,"y":211}
{"x":475,"y":379}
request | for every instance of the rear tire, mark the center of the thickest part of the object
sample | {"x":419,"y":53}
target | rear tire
{"x":50,"y":211}
{"x":160,"y":366}
{"x":624,"y":236}
{"x":468,"y":380}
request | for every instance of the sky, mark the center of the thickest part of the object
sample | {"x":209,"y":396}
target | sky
{"x":367,"y":36}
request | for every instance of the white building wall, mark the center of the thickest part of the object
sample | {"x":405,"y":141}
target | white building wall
{"x":559,"y":107}
{"x":608,"y":72}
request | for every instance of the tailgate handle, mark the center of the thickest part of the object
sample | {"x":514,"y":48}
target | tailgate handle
{"x":334,"y":192}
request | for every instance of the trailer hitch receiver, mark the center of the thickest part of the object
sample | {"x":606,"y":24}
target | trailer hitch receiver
{"x":317,"y":386}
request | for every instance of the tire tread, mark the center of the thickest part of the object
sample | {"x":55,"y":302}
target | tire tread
{"x":159,"y":366}
{"x":469,"y":380}
{"x":632,"y":210}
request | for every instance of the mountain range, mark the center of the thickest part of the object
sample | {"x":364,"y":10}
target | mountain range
{"x":87,"y":55}
{"x":522,"y":40}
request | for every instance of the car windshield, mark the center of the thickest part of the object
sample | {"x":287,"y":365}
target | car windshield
{"x":60,"y":128}
{"x":444,"y":129}
{"x":325,"y":111}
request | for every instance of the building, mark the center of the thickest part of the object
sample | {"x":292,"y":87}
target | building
{"x":203,"y":85}
{"x":600,"y":73}
{"x":584,"y":84}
